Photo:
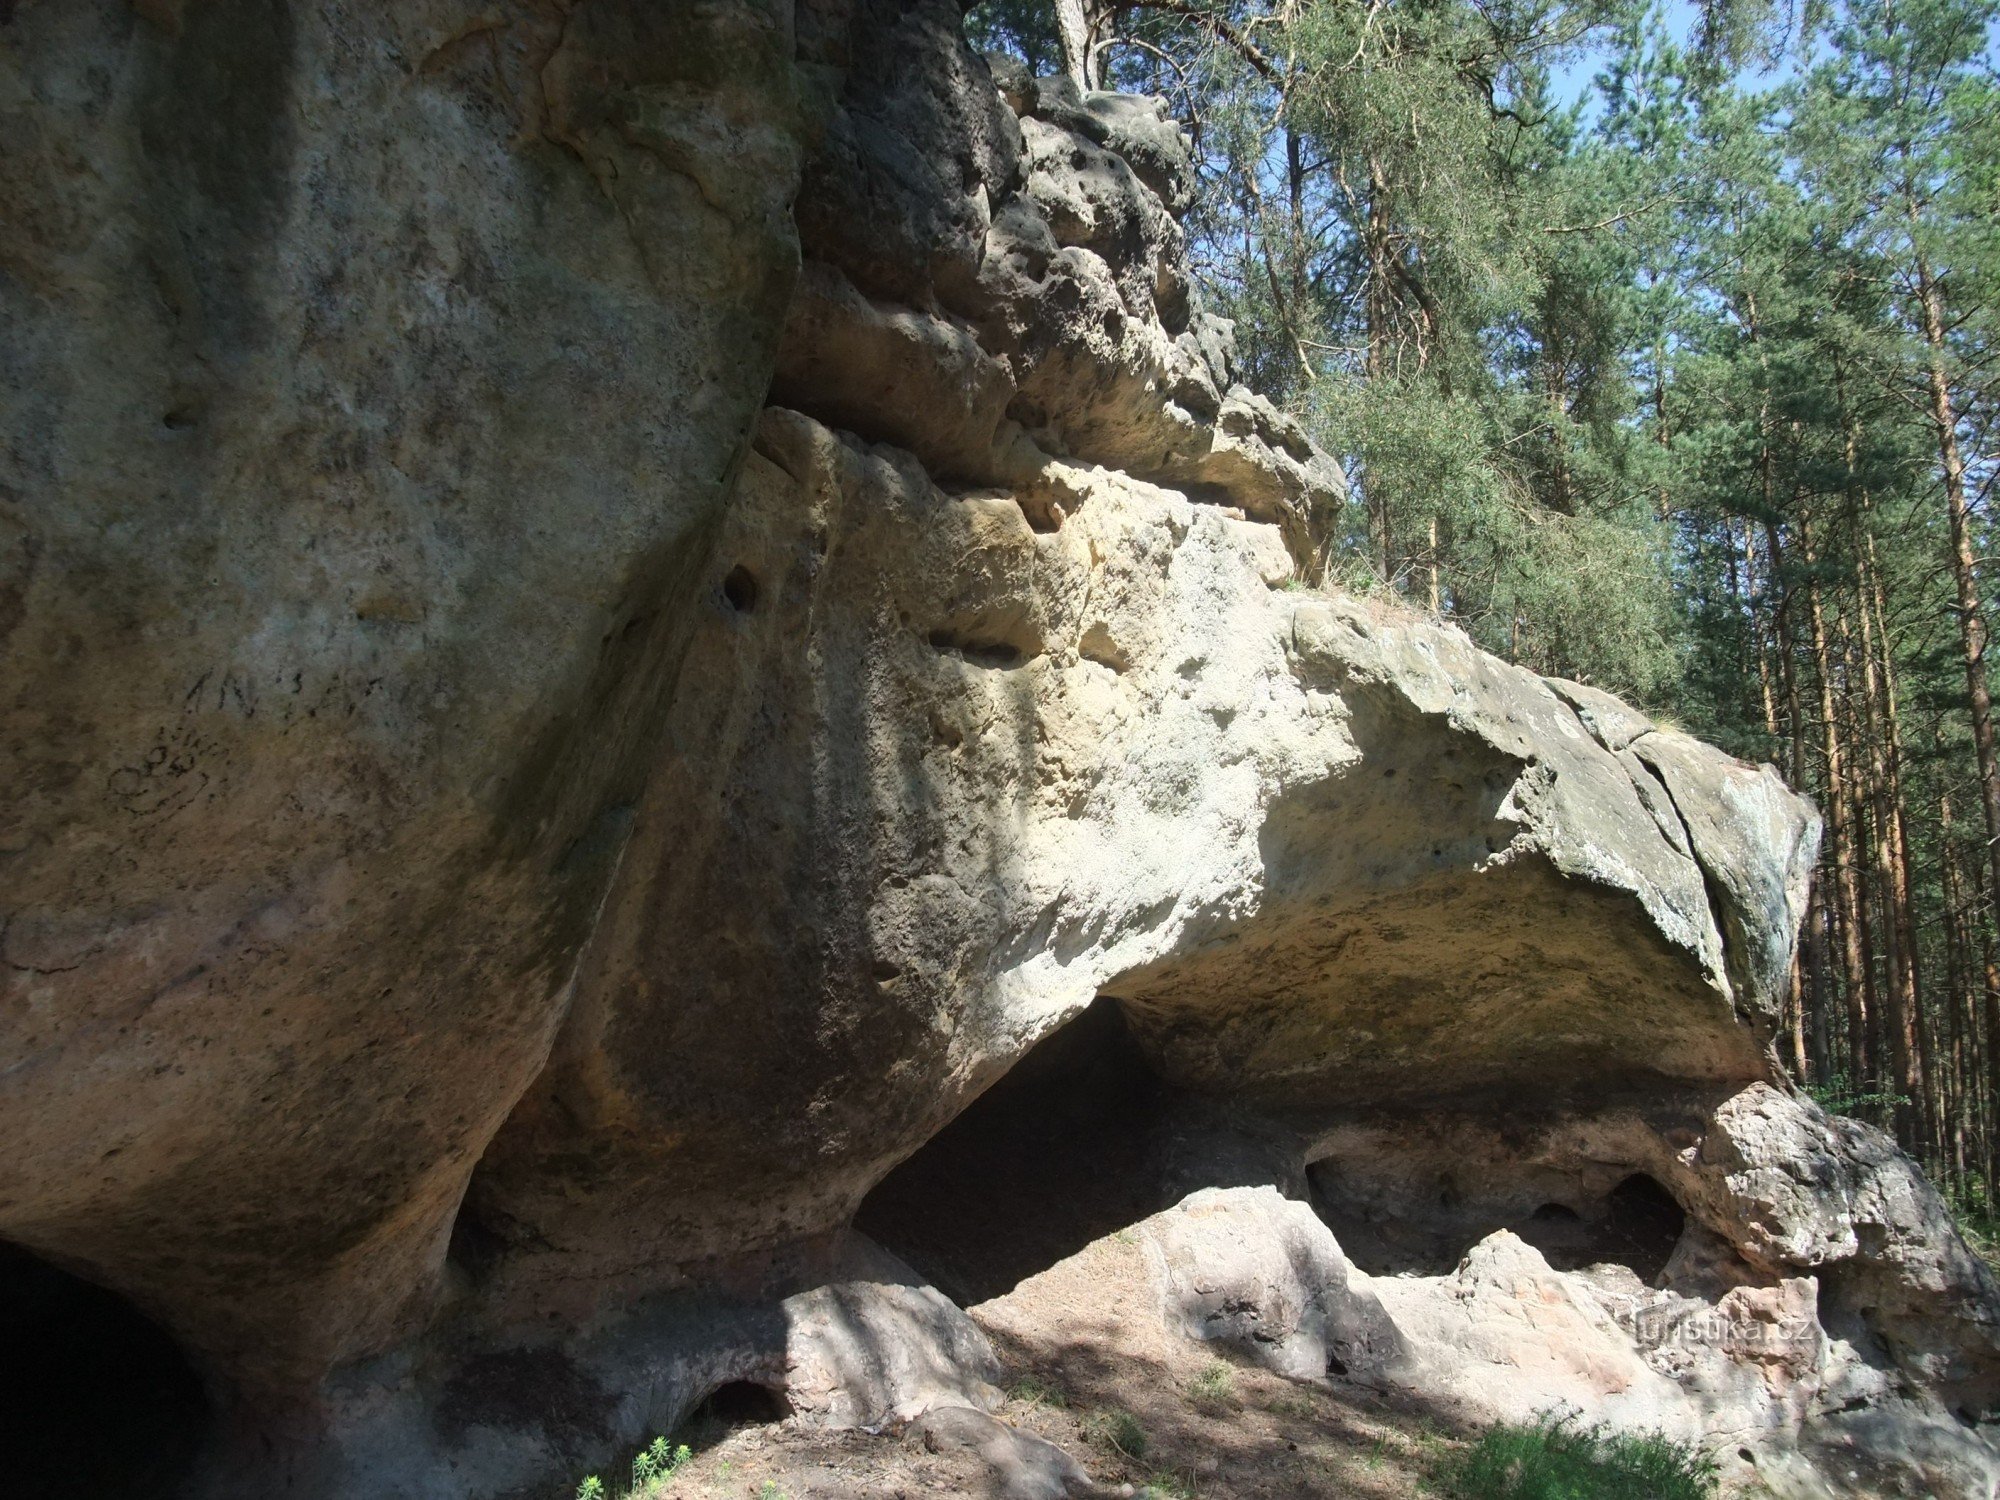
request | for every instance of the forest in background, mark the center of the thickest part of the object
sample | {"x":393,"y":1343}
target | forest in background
{"x":1686,"y":389}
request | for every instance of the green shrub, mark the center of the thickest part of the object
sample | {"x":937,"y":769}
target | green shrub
{"x":1037,"y":1392}
{"x":1118,"y":1429}
{"x":652,"y":1466}
{"x":1973,"y":1210}
{"x":1558,"y":1458}
{"x":1214,"y":1386}
{"x":657,"y":1461}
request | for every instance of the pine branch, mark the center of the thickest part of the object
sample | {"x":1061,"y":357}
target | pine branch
{"x":1617,"y":218}
{"x":1240,"y":44}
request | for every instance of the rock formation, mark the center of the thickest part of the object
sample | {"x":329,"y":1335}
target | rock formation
{"x":613,"y":610}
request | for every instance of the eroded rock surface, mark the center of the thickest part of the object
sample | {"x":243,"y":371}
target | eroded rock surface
{"x":614,"y":610}
{"x":373,"y":377}
{"x":1777,"y":1376}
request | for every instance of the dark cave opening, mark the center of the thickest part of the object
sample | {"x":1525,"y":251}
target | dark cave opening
{"x":729,"y":1407}
{"x":1637,"y":1224}
{"x":94,"y":1396}
{"x":1650,"y":1221}
{"x":739,"y":589}
{"x":1061,"y":1151}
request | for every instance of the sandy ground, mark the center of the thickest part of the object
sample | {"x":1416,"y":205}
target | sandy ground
{"x":1092,"y":1369}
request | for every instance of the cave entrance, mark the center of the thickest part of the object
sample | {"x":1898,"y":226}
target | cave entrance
{"x":95,"y":1398}
{"x":1062,"y":1151}
{"x":737,"y":1404}
{"x":1637,"y":1224}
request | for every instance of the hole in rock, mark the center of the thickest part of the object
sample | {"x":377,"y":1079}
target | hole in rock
{"x":1645,"y":1224}
{"x":981,"y":653}
{"x":95,"y":1398}
{"x":739,"y":590}
{"x":1060,"y":1152}
{"x":1636,"y":1225}
{"x":740,"y":1403}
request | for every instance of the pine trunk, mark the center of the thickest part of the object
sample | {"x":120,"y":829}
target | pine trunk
{"x":1971,"y":616}
{"x":1380,"y":316}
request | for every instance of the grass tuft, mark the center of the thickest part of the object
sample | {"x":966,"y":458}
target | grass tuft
{"x":1558,"y":1458}
{"x":1214,"y":1387}
{"x":1119,"y":1429}
{"x":1037,"y":1392}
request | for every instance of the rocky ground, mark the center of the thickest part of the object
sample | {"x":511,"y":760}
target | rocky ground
{"x":1098,"y":1376}
{"x":1227,"y":1347}
{"x":1266,"y":1438}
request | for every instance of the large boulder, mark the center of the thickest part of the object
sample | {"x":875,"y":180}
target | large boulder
{"x":991,"y":772}
{"x":1259,"y":1275}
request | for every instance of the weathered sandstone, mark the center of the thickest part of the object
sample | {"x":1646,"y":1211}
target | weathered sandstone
{"x":612,"y":611}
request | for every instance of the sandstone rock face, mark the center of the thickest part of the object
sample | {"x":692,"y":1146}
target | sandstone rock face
{"x":863,"y":1354}
{"x":1767,"y":1375}
{"x":613,"y":611}
{"x":1752,"y":1373}
{"x":373,"y":377}
{"x":1259,"y":1274}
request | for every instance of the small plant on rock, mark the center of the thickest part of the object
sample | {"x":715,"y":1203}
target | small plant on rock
{"x":644,"y":1468}
{"x":657,"y":1460}
{"x":591,"y":1489}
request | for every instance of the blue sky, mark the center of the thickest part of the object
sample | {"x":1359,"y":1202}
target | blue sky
{"x":1573,"y":80}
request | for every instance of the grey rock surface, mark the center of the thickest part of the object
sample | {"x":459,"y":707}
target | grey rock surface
{"x":1024,"y":1466}
{"x":863,"y":1354}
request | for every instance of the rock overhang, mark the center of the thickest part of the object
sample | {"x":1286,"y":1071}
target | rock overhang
{"x":990,"y":680}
